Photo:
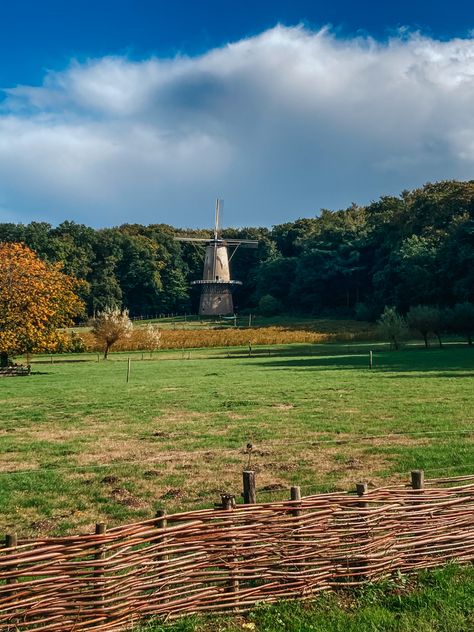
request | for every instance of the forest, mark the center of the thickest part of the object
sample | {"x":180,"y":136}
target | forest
{"x":413,"y":249}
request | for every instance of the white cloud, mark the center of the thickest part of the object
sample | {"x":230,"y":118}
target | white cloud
{"x":279,"y":125}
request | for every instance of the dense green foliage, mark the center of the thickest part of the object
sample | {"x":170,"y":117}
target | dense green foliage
{"x":435,"y":601}
{"x":415,"y":249}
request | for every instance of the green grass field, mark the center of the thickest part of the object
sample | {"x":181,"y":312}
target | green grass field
{"x":78,"y":444}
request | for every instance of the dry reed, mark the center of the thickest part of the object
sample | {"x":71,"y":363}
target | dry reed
{"x":230,"y":337}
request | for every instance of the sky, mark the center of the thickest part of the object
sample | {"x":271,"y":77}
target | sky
{"x":123,"y":111}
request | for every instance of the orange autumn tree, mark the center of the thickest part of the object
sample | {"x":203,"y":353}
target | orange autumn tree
{"x":36,"y":300}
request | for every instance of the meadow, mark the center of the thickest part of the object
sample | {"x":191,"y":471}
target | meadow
{"x":78,"y":444}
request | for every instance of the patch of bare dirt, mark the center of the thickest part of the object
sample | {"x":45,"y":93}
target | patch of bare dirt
{"x":110,"y":480}
{"x":172,"y":493}
{"x":124,"y":497}
{"x":43,"y":526}
{"x":161,"y":434}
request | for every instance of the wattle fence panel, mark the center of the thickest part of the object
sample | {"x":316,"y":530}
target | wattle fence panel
{"x":229,"y":559}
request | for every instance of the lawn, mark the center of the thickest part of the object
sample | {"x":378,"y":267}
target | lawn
{"x":78,"y":444}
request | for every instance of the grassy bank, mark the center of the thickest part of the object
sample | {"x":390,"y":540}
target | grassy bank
{"x":436,"y":601}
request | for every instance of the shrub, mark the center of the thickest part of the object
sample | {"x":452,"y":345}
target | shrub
{"x":76,"y":343}
{"x":392,"y":327}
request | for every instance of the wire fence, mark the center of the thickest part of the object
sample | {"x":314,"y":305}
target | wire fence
{"x":233,"y":556}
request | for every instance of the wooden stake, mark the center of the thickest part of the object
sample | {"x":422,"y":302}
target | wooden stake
{"x":129,"y":363}
{"x":227,"y":502}
{"x":295,"y":494}
{"x":361,"y":490}
{"x":417,"y":479}
{"x":364,"y":537}
{"x":371,"y":360}
{"x":250,"y":492}
{"x":162,"y":523}
{"x":100,"y":529}
{"x":11,"y":540}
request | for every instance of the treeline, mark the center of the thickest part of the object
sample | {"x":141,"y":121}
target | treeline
{"x":414,"y":249}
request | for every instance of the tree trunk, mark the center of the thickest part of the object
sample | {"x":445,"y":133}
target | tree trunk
{"x":106,"y":351}
{"x":425,"y":338}
{"x":439,"y":339}
{"x":3,"y":359}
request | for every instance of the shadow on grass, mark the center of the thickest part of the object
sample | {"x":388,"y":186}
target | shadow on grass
{"x":452,"y":363}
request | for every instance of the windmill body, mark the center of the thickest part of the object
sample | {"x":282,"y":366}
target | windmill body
{"x":216,"y":284}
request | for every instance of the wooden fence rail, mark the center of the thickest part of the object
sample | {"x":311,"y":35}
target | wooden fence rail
{"x":233,"y":556}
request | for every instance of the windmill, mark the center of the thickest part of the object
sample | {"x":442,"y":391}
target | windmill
{"x":216,"y":284}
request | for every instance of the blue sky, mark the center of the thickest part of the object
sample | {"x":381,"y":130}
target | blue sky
{"x":122,"y":111}
{"x":44,"y":34}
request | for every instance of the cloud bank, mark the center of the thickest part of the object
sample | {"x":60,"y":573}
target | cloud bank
{"x":279,"y":125}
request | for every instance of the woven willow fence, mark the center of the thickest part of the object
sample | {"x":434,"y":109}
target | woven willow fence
{"x":229,"y":558}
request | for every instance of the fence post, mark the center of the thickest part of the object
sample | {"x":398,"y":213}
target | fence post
{"x":162,"y":523}
{"x":417,"y":483}
{"x":371,"y":360}
{"x":11,"y":541}
{"x":417,"y":479}
{"x":295,"y":494}
{"x":128,"y":369}
{"x":250,"y":492}
{"x":361,"y":490}
{"x":100,"y":529}
{"x":228,"y":503}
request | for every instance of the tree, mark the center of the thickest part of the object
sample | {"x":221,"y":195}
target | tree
{"x":36,"y":300}
{"x":268,"y":305}
{"x":275,"y":277}
{"x":392,"y":326}
{"x":460,"y":320}
{"x":426,"y":320}
{"x":111,"y":325}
